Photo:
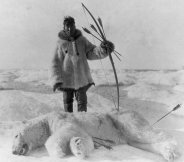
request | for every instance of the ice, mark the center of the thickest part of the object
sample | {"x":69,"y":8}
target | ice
{"x":161,"y":86}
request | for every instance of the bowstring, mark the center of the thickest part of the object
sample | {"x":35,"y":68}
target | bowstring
{"x":103,"y":69}
{"x":105,"y":74}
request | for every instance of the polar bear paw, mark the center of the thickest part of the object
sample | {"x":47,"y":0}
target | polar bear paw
{"x":169,"y":151}
{"x":77,"y":147}
{"x":81,"y":147}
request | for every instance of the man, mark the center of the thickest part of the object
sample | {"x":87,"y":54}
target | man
{"x":70,"y":71}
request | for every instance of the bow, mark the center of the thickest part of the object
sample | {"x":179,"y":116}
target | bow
{"x":101,"y":33}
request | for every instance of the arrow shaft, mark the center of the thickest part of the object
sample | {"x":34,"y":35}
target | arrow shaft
{"x":94,"y":21}
{"x":162,"y":118}
{"x":87,"y":31}
{"x":110,"y":57}
{"x":174,"y":109}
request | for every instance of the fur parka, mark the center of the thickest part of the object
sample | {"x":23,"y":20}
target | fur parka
{"x":69,"y":64}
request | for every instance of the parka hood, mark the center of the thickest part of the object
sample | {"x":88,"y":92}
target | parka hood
{"x":62,"y":35}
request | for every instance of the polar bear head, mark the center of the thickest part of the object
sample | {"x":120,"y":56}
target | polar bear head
{"x":20,"y":147}
{"x":30,"y":136}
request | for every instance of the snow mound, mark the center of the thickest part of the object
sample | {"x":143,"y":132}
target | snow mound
{"x":160,"y":94}
{"x":19,"y":105}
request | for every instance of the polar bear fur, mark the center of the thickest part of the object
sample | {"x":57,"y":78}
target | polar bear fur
{"x":66,"y":140}
{"x":78,"y":133}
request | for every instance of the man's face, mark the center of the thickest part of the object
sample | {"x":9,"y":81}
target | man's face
{"x":69,"y":29}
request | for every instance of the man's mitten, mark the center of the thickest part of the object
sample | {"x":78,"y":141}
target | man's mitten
{"x":57,"y":86}
{"x":108,"y":46}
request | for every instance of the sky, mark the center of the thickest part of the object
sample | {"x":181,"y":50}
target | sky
{"x":148,"y":34}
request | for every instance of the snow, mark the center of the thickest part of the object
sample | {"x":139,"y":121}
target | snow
{"x":19,"y":105}
{"x":162,"y":87}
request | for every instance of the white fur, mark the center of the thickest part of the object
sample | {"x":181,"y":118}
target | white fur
{"x":75,"y":133}
{"x":62,"y":143}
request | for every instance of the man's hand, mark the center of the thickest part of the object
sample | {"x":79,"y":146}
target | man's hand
{"x":57,"y":86}
{"x":108,"y":46}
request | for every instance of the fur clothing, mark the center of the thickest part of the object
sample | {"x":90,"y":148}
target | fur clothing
{"x":69,"y":64}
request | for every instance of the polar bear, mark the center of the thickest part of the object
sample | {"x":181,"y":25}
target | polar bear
{"x":79,"y":133}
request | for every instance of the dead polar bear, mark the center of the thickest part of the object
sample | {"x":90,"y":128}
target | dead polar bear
{"x":64,"y":133}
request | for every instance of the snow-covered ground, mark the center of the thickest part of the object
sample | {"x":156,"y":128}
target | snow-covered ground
{"x":25,"y":94}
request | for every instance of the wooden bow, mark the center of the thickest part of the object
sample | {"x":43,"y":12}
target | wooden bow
{"x":101,"y":33}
